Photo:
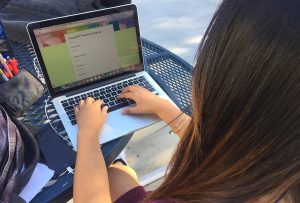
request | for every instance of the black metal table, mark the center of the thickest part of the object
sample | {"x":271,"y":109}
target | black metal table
{"x":168,"y":70}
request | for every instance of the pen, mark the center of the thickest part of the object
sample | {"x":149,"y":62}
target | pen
{"x":3,"y":62}
{"x":14,"y":64}
{"x":3,"y":75}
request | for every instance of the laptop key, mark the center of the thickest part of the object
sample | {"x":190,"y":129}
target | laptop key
{"x":111,"y":103}
{"x":69,"y":108}
{"x":72,"y":117}
{"x":123,"y":100}
{"x":131,"y":101}
{"x":114,"y":93}
{"x":119,"y":87}
{"x":119,"y":91}
{"x":70,"y":113}
{"x":73,"y":122}
{"x":105,"y":100}
{"x":112,"y":99}
{"x":152,"y":89}
{"x":118,"y":106}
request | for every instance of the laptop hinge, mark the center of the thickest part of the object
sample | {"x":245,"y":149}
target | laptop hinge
{"x":99,"y":84}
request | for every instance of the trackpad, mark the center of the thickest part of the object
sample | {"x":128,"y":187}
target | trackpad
{"x":118,"y":124}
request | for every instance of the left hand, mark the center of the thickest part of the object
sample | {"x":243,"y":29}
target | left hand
{"x":89,"y":115}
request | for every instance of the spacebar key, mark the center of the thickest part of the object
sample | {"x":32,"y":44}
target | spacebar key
{"x":118,"y":106}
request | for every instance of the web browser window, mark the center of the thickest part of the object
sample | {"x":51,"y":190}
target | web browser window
{"x":84,"y":51}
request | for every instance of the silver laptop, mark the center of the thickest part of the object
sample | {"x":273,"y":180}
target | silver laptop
{"x":94,"y":54}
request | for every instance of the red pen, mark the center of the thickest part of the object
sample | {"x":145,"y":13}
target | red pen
{"x":14,"y":64}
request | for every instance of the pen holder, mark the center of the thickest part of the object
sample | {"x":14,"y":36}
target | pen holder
{"x":19,"y":93}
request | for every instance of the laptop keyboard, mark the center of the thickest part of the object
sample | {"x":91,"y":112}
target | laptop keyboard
{"x":108,"y":94}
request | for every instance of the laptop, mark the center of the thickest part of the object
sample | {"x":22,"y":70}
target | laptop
{"x":94,"y":54}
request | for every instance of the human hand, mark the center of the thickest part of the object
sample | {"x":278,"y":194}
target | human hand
{"x":146,"y":102}
{"x":89,"y":115}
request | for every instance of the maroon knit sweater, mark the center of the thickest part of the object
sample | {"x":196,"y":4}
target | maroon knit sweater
{"x":137,"y":195}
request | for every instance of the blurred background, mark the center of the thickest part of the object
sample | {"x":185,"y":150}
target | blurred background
{"x":177,"y":25}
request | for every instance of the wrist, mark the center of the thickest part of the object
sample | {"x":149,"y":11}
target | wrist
{"x":88,"y":135}
{"x":160,"y":109}
{"x":167,"y":112}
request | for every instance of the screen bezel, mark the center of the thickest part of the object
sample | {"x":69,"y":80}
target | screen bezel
{"x":78,"y":17}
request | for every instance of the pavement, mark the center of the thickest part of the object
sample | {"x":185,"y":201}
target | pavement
{"x":149,"y":152}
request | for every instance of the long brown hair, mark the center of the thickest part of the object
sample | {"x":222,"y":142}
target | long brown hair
{"x":244,"y":138}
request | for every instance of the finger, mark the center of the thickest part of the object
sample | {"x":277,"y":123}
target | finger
{"x":128,"y":95}
{"x":105,"y":109}
{"x":131,"y":110}
{"x":81,"y":103}
{"x":98,"y":103}
{"x":76,"y":110}
{"x":89,"y":100}
{"x":130,"y":88}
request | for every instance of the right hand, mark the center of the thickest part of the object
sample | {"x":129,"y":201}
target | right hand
{"x":146,"y":102}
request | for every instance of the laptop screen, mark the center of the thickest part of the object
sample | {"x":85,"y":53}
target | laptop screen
{"x":89,"y":50}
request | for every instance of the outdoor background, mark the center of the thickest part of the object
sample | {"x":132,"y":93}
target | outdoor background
{"x":177,"y":25}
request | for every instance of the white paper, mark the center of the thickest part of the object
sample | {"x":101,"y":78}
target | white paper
{"x":40,"y":177}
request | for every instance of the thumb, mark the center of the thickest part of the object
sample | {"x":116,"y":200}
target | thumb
{"x":131,"y":110}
